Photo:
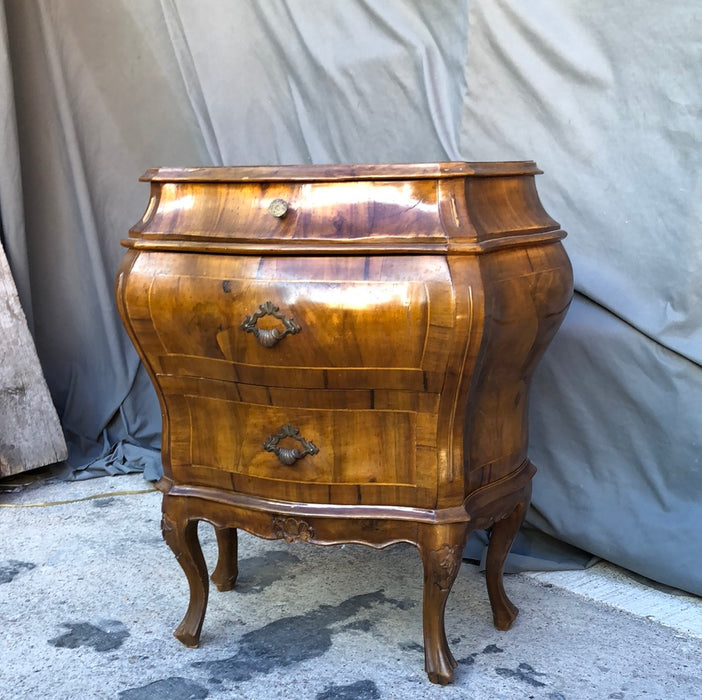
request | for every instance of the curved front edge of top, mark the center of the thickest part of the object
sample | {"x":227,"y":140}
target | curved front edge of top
{"x":341,"y":173}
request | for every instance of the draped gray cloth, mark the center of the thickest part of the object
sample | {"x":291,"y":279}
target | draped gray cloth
{"x":606,"y":97}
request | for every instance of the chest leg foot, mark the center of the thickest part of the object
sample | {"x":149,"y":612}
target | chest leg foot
{"x":181,"y":536}
{"x":503,"y":533}
{"x":225,"y":574}
{"x":441,"y":547}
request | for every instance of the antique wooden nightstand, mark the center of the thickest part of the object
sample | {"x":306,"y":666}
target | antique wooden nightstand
{"x":343,"y":354}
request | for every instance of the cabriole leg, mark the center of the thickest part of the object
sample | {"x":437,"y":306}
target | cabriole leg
{"x":227,"y":569}
{"x":503,"y":533}
{"x":441,"y":547}
{"x":181,"y":536}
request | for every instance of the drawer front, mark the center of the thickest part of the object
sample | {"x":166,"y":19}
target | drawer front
{"x":310,"y":324}
{"x":405,"y":209}
{"x":303,"y":322}
{"x":309,"y":454}
{"x":252,"y":439}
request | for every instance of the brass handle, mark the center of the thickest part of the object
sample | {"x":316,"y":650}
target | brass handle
{"x":278,"y":208}
{"x":289,"y":455}
{"x":268,"y":337}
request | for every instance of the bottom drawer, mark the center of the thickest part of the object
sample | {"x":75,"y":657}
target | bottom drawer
{"x":331,"y":451}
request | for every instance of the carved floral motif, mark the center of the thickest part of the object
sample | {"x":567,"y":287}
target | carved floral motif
{"x":168,"y":531}
{"x":447,"y":561}
{"x":167,"y":526}
{"x":292,"y":529}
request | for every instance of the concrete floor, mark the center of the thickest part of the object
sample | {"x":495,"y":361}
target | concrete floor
{"x":90,"y":594}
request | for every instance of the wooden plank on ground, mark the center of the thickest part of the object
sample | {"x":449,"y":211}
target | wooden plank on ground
{"x":30,"y":433}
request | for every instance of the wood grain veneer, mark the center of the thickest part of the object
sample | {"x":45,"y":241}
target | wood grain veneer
{"x":343,"y":354}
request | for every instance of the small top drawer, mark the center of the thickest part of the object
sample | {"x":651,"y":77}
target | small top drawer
{"x":429,"y":206}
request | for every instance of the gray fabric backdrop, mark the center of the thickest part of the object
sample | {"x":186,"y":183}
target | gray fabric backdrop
{"x":606,"y":97}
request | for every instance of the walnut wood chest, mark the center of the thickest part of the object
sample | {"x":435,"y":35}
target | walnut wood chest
{"x":343,"y":354}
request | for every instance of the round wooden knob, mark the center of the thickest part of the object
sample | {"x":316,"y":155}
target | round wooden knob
{"x":278,"y":208}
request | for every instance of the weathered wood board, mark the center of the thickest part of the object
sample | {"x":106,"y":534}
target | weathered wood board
{"x":30,"y":432}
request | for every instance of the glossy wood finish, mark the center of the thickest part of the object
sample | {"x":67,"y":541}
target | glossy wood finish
{"x":343,"y":354}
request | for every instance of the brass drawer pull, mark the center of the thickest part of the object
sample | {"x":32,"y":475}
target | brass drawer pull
{"x":268,"y":337}
{"x":278,"y":208}
{"x":289,"y":455}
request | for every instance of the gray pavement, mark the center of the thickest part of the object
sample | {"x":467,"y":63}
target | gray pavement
{"x":90,"y":595}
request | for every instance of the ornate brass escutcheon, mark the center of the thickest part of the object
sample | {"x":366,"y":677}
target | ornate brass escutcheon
{"x":289,"y":455}
{"x":268,"y":337}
